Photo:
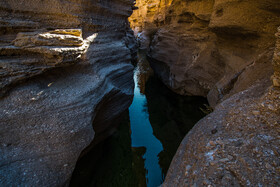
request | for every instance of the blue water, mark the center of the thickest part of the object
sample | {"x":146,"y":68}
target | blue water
{"x":140,"y":151}
{"x":142,"y":131}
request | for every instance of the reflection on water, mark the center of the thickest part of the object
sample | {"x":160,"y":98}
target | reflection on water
{"x":171,"y":117}
{"x":112,"y":162}
{"x":141,"y":129}
{"x":140,"y":152}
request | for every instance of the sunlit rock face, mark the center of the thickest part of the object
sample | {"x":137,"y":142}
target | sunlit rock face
{"x":65,"y":77}
{"x":210,"y":48}
{"x":149,"y":14}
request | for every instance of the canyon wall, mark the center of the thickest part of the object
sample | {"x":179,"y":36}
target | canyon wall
{"x":209,"y":48}
{"x":236,"y":145}
{"x":221,"y":49}
{"x":65,"y":78}
{"x":148,"y":15}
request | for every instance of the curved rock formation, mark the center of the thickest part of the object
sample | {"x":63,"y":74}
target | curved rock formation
{"x":210,"y":48}
{"x":61,"y":62}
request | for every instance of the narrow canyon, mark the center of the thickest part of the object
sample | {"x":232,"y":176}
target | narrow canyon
{"x":140,"y":93}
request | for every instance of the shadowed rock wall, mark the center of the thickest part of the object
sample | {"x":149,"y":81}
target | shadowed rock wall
{"x":60,"y":62}
{"x":210,"y":48}
{"x":237,"y":144}
{"x":222,"y":49}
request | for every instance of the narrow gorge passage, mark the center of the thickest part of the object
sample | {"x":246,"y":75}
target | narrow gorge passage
{"x":140,"y":152}
{"x":78,"y":110}
{"x":141,"y":128}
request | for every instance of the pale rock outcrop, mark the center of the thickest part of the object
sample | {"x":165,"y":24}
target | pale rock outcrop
{"x":52,"y":49}
{"x":66,"y":77}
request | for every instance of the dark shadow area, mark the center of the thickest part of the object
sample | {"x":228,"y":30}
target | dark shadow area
{"x":171,"y":116}
{"x":112,"y":162}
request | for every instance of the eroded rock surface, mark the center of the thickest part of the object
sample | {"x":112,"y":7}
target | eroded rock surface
{"x":236,"y":145}
{"x":61,"y":62}
{"x":221,"y":49}
{"x":210,"y":48}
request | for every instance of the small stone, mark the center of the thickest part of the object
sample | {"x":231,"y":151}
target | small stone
{"x":40,"y":93}
{"x":214,"y":131}
{"x":268,"y":166}
{"x":224,"y":160}
{"x":230,"y":157}
{"x":49,"y":85}
{"x":212,"y":143}
{"x":256,"y":112}
{"x":271,"y":107}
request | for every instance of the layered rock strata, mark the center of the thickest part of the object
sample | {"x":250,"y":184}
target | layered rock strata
{"x":211,"y":48}
{"x":61,"y":62}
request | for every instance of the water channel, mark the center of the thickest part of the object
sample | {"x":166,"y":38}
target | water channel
{"x":140,"y":152}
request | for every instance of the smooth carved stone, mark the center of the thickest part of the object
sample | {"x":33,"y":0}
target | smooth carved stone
{"x":63,"y":89}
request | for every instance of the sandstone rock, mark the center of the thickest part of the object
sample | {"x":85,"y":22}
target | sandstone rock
{"x":243,"y":151}
{"x":60,"y":63}
{"x":148,"y":15}
{"x":53,"y":38}
{"x":222,"y":50}
{"x":46,"y":50}
{"x":210,"y":48}
{"x":247,"y":153}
